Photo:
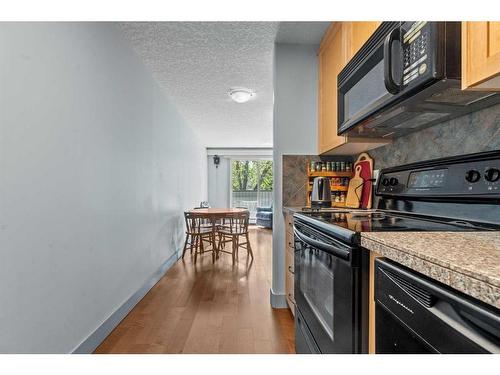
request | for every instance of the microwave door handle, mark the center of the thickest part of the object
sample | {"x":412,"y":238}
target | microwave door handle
{"x":338,"y":252}
{"x":390,"y":85}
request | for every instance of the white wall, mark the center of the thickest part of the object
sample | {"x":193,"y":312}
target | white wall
{"x":295,"y":133}
{"x":218,"y":182}
{"x":96,"y":167}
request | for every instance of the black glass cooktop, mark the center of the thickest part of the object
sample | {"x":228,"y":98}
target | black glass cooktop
{"x":379,"y":221}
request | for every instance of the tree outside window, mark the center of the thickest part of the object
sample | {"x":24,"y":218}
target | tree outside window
{"x":252,"y":175}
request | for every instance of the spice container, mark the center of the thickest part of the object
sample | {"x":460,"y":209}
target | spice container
{"x":337,"y":198}
{"x":312,"y":166}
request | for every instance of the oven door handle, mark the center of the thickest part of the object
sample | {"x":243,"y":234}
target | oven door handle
{"x":336,"y":251}
{"x":390,"y":85}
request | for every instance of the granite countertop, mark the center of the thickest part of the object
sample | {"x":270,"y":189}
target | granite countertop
{"x":466,"y":261}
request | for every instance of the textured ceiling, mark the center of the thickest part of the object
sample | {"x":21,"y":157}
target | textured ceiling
{"x":197,"y":62}
{"x":301,"y":32}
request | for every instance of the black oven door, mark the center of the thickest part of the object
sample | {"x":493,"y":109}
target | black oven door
{"x":389,"y":68}
{"x":325,"y":290}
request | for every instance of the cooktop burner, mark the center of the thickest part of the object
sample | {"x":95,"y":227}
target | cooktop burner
{"x":378,"y":221}
{"x":368,"y":215}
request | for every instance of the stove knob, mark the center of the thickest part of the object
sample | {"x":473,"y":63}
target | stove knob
{"x":385,"y":182}
{"x":472,"y":176}
{"x":393,"y":181}
{"x":492,"y":174}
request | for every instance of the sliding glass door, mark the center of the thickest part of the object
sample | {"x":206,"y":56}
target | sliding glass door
{"x":251,"y":184}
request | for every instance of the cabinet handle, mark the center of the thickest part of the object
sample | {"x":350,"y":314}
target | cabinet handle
{"x":291,"y":299}
{"x":290,"y":270}
{"x":290,"y":244}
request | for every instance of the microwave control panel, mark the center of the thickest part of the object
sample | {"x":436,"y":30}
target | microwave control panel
{"x":416,"y":54}
{"x":480,"y":178}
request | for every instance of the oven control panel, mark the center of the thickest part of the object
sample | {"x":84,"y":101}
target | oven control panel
{"x":477,"y":177}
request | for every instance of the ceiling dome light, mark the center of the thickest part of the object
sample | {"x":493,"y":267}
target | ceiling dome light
{"x":241,"y":95}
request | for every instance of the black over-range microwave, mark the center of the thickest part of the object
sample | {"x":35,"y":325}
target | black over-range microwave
{"x":405,"y":77}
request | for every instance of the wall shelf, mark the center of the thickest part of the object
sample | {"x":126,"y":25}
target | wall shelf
{"x":335,"y":189}
{"x":329,"y":174}
{"x":332,"y":188}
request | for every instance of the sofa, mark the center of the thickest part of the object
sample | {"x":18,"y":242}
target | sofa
{"x":264,"y":217}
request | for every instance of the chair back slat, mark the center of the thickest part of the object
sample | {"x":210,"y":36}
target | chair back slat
{"x":195,"y":221}
{"x":238,"y":222}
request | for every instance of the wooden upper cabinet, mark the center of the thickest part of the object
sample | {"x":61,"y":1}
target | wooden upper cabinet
{"x":331,"y":60}
{"x":340,"y":42}
{"x":358,"y":33}
{"x":481,"y":56}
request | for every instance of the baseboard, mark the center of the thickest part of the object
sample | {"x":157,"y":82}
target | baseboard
{"x":95,"y":338}
{"x":278,"y":301}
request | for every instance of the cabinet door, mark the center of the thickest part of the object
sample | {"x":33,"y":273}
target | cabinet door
{"x":289,"y":279}
{"x":358,"y":33}
{"x":481,"y":55}
{"x":331,"y":59}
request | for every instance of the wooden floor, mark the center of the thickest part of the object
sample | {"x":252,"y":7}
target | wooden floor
{"x":209,"y":308}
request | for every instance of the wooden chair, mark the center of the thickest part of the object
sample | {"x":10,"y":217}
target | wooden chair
{"x":225,"y":222}
{"x":205,"y":222}
{"x":234,"y":231}
{"x":198,"y":232}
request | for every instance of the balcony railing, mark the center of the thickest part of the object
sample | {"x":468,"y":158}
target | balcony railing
{"x":252,"y":199}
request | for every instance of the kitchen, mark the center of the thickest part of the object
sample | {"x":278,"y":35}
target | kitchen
{"x":390,"y":276}
{"x":342,"y":176}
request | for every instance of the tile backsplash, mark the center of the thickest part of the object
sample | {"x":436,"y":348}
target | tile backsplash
{"x":474,"y":132}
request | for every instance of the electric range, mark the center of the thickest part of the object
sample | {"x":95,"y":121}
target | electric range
{"x":451,"y":194}
{"x":348,"y":225}
{"x":331,"y":269}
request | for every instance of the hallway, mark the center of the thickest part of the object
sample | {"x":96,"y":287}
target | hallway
{"x":209,"y":308}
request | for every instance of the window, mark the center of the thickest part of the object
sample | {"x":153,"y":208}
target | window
{"x":251,"y":184}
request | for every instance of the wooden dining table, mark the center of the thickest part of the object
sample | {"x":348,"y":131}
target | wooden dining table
{"x":217,"y":213}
